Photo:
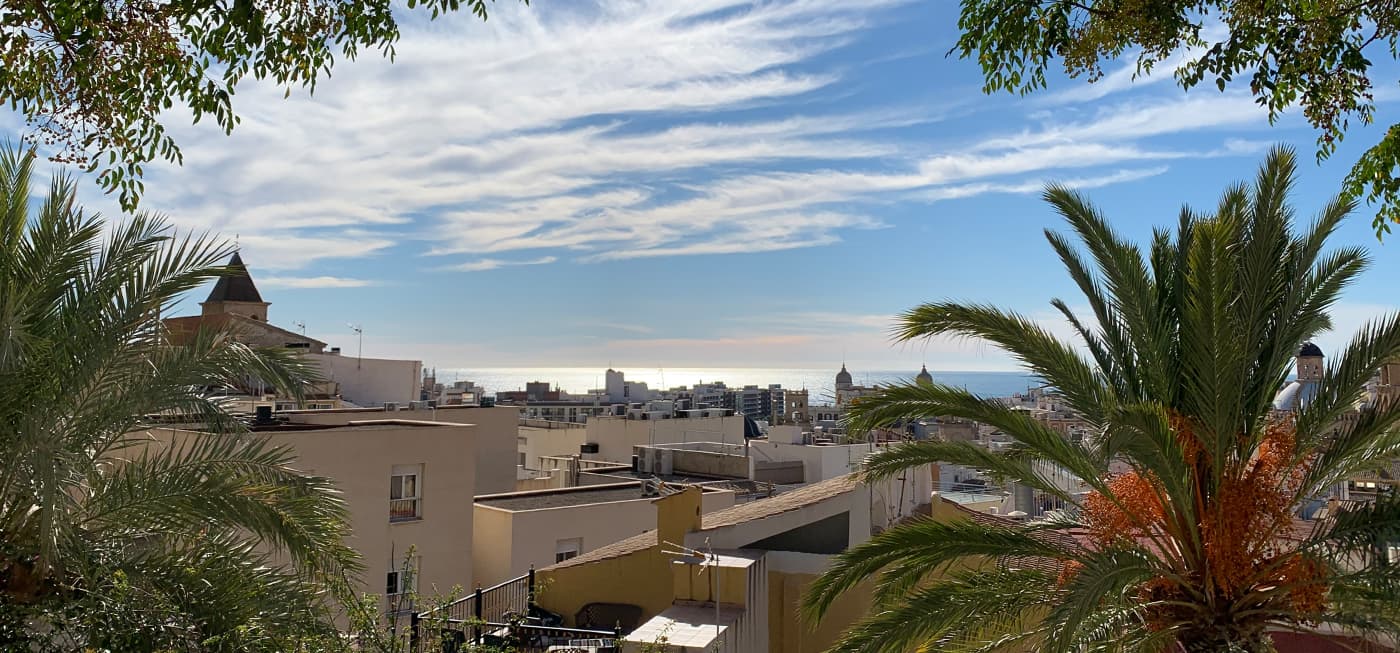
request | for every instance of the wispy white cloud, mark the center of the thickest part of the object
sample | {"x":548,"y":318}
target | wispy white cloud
{"x":1037,"y":185}
{"x":482,"y":265}
{"x":313,"y":282}
{"x":613,"y":130}
{"x":628,"y":327}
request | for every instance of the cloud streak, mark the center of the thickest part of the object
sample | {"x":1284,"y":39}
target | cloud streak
{"x":313,"y":282}
{"x":618,"y":130}
{"x":485,"y":264}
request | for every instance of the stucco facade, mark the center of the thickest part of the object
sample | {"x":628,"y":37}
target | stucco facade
{"x":493,"y":441}
{"x":371,"y":382}
{"x":548,"y":439}
{"x":361,"y":457}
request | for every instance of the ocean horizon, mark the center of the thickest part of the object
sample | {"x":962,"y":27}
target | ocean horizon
{"x":819,"y":382}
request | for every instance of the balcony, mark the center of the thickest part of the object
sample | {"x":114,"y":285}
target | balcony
{"x":401,"y":510}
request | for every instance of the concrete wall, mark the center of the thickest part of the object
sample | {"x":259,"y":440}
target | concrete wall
{"x":359,"y":460}
{"x":701,"y":458}
{"x":537,"y":443}
{"x":708,"y":464}
{"x":491,"y":548}
{"x":820,"y":462}
{"x":371,"y":382}
{"x":494,"y":439}
{"x":508,"y":542}
{"x":616,"y":436}
{"x":781,"y":472}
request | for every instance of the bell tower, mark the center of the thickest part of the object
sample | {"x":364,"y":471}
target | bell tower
{"x":235,"y":293}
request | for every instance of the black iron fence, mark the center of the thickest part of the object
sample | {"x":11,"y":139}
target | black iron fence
{"x":503,"y":616}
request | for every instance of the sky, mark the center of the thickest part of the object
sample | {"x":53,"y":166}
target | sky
{"x":702,"y":183}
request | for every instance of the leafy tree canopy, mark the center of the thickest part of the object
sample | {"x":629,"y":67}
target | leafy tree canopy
{"x":93,"y":77}
{"x":1315,"y":54}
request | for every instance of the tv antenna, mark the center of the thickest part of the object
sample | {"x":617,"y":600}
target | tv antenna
{"x":360,"y":345}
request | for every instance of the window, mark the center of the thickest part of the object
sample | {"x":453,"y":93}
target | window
{"x":405,"y":493}
{"x":399,"y":581}
{"x":565,"y":549}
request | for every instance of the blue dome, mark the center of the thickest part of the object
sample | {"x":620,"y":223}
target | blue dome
{"x":1310,"y":350}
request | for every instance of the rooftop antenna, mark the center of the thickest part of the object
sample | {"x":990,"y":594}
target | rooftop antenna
{"x":700,"y":559}
{"x":360,"y":336}
{"x":300,"y":325}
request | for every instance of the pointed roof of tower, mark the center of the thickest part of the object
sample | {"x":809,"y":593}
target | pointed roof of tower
{"x":235,"y":285}
{"x":843,"y":376}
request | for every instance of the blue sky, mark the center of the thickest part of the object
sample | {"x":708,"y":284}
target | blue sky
{"x":661,"y":183}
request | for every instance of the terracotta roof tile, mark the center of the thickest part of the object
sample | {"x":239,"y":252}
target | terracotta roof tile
{"x":785,"y":502}
{"x":1063,"y":539}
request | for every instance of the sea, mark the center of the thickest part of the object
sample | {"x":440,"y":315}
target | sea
{"x":819,"y":382}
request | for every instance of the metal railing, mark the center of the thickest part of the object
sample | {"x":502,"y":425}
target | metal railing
{"x":403,"y":509}
{"x":499,"y":615}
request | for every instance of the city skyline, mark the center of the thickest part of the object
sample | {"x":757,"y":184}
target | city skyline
{"x":684,"y":184}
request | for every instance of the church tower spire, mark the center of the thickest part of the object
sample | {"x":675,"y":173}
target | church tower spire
{"x":235,"y":293}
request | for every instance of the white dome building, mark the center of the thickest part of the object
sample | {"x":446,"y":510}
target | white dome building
{"x":1299,"y":392}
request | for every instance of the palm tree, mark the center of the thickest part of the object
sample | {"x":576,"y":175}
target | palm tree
{"x":109,"y":539}
{"x":1186,"y":535}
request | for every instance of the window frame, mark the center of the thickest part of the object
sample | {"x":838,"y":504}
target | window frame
{"x":396,"y":484}
{"x":567,"y":549}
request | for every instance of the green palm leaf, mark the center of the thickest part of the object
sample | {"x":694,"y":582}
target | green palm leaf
{"x":1177,"y":363}
{"x":114,"y":538}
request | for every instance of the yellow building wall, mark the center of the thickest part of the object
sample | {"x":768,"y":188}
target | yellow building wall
{"x":788,"y":633}
{"x":693,"y":583}
{"x":643,"y":578}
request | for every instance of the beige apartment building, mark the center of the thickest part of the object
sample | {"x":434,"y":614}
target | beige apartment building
{"x":517,"y":530}
{"x":492,"y":436}
{"x":406,"y":484}
{"x":538,"y":440}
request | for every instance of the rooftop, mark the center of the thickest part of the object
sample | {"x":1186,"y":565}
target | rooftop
{"x":364,"y":425}
{"x":793,"y":500}
{"x":686,"y":627}
{"x":564,"y":498}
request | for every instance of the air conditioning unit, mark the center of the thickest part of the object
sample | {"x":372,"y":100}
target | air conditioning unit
{"x":391,"y":406}
{"x":588,"y":447}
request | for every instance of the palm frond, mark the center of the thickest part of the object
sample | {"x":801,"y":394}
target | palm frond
{"x":955,"y":610}
{"x":908,"y":401}
{"x":913,"y":551}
